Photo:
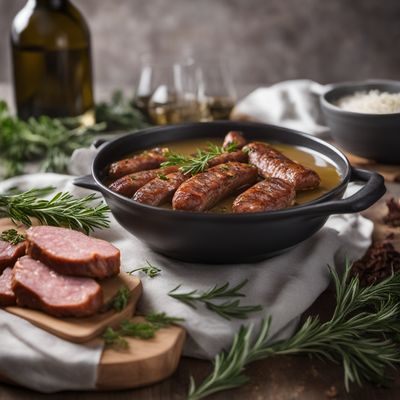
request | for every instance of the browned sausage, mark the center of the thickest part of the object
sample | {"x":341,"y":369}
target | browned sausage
{"x":238,"y":156}
{"x":236,"y":138}
{"x":129,"y":184}
{"x":267,"y":195}
{"x":147,"y":160}
{"x":272,"y":163}
{"x":160,"y":190}
{"x":202,"y":191}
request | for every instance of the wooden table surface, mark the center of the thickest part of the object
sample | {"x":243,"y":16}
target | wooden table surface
{"x":280,"y":378}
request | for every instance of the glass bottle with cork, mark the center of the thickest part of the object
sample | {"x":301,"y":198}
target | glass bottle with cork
{"x":52,"y":66}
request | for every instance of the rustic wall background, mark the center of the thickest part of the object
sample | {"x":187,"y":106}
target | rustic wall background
{"x":266,"y":40}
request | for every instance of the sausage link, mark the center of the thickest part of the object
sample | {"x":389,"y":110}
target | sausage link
{"x":267,"y":195}
{"x":272,"y":163}
{"x":234,"y":156}
{"x":234,"y":137}
{"x":202,"y":191}
{"x":160,"y":190}
{"x":147,"y":160}
{"x":129,"y":184}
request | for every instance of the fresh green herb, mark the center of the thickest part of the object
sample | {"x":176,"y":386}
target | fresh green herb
{"x":163,"y":177}
{"x":227,"y":310}
{"x":141,"y":330}
{"x":119,"y":113}
{"x":232,"y":309}
{"x":199,"y":162}
{"x":12,"y":236}
{"x":362,"y":335}
{"x":162,"y":320}
{"x":150,"y":270}
{"x":61,"y":210}
{"x":121,"y":299}
{"x":44,"y":138}
{"x":113,"y":338}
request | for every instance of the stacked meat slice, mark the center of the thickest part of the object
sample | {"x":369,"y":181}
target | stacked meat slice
{"x":58,"y":273}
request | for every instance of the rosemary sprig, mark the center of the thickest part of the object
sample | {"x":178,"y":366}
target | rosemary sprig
{"x":121,"y":299}
{"x":162,"y":320}
{"x":150,"y":270}
{"x":12,"y":236}
{"x":141,"y":330}
{"x":362,"y":335}
{"x":61,"y":210}
{"x":199,"y":162}
{"x":228,"y":309}
{"x":43,"y":138}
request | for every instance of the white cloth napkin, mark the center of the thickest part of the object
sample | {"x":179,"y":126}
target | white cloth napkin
{"x":285,"y":286}
{"x":293,"y":104}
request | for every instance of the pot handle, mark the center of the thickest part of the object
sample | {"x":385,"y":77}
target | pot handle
{"x":372,"y":191}
{"x":87,"y":182}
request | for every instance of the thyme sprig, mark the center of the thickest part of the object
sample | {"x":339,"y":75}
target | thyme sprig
{"x":12,"y":236}
{"x":228,"y":309}
{"x":141,"y":330}
{"x":199,"y":162}
{"x":150,"y":270}
{"x":362,"y":336}
{"x":62,"y":209}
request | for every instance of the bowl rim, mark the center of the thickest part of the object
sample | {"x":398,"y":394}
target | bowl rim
{"x":216,"y":216}
{"x":355,"y":84}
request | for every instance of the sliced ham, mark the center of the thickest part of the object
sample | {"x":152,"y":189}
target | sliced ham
{"x":38,"y":287}
{"x":71,"y":252}
{"x":7,"y":296}
{"x":9,"y":253}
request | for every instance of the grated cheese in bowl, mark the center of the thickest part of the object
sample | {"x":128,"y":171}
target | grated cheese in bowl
{"x":372,"y":102}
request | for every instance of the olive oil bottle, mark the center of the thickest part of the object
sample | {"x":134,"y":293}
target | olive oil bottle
{"x":52,"y":66}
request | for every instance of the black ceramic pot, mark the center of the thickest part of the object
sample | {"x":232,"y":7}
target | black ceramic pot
{"x":228,"y":238}
{"x":374,"y":136}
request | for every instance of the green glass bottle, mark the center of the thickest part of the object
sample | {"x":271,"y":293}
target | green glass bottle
{"x":52,"y":66}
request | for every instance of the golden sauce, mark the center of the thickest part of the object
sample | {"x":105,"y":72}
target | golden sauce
{"x":329,"y":175}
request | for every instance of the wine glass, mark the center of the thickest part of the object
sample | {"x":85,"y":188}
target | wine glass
{"x":167,"y":91}
{"x":216,"y":91}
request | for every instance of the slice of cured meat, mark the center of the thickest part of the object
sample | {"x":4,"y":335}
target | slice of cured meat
{"x":9,"y":253}
{"x":7,"y":296}
{"x":38,"y":287}
{"x":71,"y":252}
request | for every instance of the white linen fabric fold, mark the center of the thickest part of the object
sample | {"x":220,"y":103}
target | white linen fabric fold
{"x":285,"y":286}
{"x":293,"y":104}
{"x":38,"y":360}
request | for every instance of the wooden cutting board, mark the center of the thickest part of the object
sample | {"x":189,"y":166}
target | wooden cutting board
{"x":143,"y":363}
{"x":79,"y":330}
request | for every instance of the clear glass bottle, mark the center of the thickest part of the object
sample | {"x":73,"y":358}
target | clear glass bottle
{"x":52,"y":66}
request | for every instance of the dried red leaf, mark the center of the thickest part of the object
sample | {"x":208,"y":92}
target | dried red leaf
{"x":393,"y":216}
{"x":379,"y":262}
